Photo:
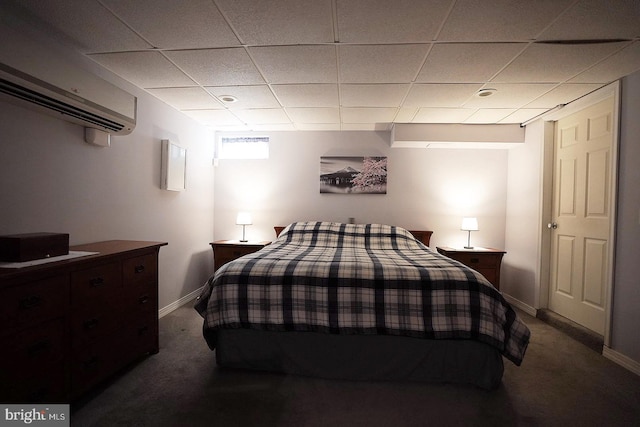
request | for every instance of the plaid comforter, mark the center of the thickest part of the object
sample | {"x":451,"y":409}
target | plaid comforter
{"x":359,"y":279}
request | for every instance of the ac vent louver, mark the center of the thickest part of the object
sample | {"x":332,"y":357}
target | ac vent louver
{"x":64,"y":108}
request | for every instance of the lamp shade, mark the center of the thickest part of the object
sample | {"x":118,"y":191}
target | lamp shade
{"x":469,"y":224}
{"x":243,"y":218}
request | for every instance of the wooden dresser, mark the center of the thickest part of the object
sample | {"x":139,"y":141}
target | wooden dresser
{"x":486,"y":261}
{"x":67,"y":325}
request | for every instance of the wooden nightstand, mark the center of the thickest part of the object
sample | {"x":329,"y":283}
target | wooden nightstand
{"x":228,"y":250}
{"x":485,"y":261}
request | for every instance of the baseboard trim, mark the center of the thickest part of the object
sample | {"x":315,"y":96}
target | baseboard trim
{"x":622,"y":360}
{"x":179,"y":303}
{"x":520,"y":305}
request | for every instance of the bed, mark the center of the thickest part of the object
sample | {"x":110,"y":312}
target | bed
{"x":359,"y":302}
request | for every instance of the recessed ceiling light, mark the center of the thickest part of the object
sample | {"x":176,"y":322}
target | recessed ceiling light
{"x":228,"y":99}
{"x":483,"y":93}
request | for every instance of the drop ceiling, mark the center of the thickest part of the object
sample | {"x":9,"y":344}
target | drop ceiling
{"x":351,"y":64}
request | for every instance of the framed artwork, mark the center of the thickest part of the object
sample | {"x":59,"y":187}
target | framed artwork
{"x":353,"y":175}
{"x":174,"y":167}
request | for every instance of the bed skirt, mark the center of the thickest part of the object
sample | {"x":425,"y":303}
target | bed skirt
{"x":361,"y":357}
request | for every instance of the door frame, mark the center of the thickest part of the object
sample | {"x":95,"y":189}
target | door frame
{"x":549,"y":119}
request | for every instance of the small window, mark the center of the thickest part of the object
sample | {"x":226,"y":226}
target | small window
{"x":243,"y":147}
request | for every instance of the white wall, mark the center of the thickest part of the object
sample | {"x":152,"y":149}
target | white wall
{"x":625,"y":338}
{"x":525,"y":269}
{"x":51,"y":180}
{"x":427,"y":188}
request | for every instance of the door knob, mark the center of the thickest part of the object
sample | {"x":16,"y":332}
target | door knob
{"x":552,"y":225}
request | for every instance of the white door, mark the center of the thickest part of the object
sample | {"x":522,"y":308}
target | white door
{"x":581,"y":215}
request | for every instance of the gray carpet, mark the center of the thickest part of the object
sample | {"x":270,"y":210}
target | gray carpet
{"x":560,"y":383}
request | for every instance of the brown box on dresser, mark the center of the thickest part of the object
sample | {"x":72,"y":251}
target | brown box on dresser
{"x":65,"y":326}
{"x":30,"y":246}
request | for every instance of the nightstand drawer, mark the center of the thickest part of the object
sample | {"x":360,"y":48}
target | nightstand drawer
{"x":485,"y":261}
{"x":225,"y":251}
{"x":476,"y":261}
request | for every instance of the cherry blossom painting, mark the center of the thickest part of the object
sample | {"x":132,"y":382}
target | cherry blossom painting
{"x":353,"y":175}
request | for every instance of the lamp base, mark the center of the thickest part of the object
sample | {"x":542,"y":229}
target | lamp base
{"x":243,"y":240}
{"x":468,"y":247}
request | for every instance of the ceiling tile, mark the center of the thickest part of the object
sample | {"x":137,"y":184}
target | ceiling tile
{"x":440,"y":95}
{"x":443,"y":115}
{"x":368,"y":115}
{"x":319,"y":126}
{"x":88,"y":24}
{"x":280,"y":22}
{"x":214,"y":117}
{"x":592,"y":19}
{"x":622,"y":63}
{"x":297,"y":64}
{"x":509,"y":95}
{"x":378,"y":127}
{"x":274,"y":127}
{"x":314,"y":115}
{"x":467,"y":62}
{"x":144,"y":69}
{"x":307,"y":95}
{"x":381,"y":63}
{"x":493,"y":115}
{"x":378,"y":95}
{"x":554,"y":63}
{"x":186,"y":98}
{"x":374,"y":21}
{"x":562,"y":94}
{"x":405,"y":114}
{"x":168,"y":24}
{"x":524,"y":114}
{"x":263,"y":116}
{"x":247,"y":96}
{"x":217,"y":67}
{"x":500,"y":20}
{"x":360,"y":64}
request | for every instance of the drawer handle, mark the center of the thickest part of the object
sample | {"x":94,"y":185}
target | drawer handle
{"x":91,"y":323}
{"x":30,"y":302}
{"x":139,"y":269}
{"x":38,"y":348}
{"x":475,"y":260}
{"x":92,"y":363}
{"x":96,"y":282}
{"x":143,"y":299}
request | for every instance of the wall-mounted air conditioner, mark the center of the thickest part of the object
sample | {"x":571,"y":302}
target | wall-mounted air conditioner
{"x":39,"y":78}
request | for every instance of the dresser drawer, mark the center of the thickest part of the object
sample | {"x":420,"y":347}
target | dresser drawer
{"x":95,"y":362}
{"x":48,"y":387}
{"x":32,"y":364}
{"x":31,"y":351}
{"x":21,"y":306}
{"x":140,"y":337}
{"x":140,"y":270}
{"x":93,"y":287}
{"x":141,"y":299}
{"x":90,"y":326}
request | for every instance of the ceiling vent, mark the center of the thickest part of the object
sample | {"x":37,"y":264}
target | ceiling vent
{"x":37,"y":78}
